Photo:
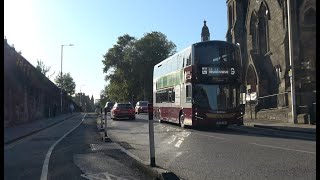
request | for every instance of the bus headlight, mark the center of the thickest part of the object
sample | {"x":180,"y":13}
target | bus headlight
{"x":196,"y":113}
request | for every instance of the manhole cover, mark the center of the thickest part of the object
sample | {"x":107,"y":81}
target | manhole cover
{"x":106,"y":146}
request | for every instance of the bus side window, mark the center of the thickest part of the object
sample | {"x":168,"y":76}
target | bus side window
{"x":189,"y":60}
{"x":188,"y":94}
{"x":173,"y":96}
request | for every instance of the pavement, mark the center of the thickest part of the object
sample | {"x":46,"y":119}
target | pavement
{"x":268,"y":124}
{"x":13,"y":134}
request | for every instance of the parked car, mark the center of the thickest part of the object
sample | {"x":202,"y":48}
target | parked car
{"x":122,"y":110}
{"x":141,"y":106}
{"x":109,"y":106}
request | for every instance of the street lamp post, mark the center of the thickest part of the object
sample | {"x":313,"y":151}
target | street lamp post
{"x":291,"y":71}
{"x":61,"y":79}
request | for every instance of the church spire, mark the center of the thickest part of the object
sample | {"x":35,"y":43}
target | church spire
{"x":205,"y":34}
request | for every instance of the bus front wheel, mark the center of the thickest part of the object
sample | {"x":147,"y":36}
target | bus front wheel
{"x":181,"y":121}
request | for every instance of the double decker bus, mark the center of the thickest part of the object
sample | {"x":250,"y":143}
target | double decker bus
{"x":199,"y":86}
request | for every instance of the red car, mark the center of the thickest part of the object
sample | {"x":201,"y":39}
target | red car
{"x":141,"y":107}
{"x":122,"y":110}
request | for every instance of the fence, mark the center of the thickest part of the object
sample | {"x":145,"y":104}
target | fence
{"x":273,"y":101}
{"x":305,"y":103}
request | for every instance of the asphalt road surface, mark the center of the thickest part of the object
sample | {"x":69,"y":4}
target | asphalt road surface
{"x":239,"y":152}
{"x":69,"y":150}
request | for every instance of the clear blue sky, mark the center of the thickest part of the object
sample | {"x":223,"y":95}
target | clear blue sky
{"x":38,"y":28}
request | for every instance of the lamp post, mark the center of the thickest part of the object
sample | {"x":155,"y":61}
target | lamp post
{"x":291,"y":71}
{"x":61,"y":80}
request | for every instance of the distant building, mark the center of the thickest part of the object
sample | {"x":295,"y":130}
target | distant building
{"x":261,"y":28}
{"x":84,"y":102}
{"x":205,"y":34}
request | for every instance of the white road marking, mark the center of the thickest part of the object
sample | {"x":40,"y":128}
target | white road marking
{"x":157,"y":126}
{"x":44,"y":173}
{"x":104,"y":176}
{"x":178,"y":154}
{"x":283,"y":148}
{"x":174,"y":138}
{"x":185,"y":134}
{"x":96,"y":176}
{"x":178,"y":143}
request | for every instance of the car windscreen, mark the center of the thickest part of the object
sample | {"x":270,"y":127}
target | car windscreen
{"x":143,"y":104}
{"x":124,"y":106}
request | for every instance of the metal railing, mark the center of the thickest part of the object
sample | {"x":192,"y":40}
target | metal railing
{"x":273,"y":101}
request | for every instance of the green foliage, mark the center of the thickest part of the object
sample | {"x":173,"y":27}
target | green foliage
{"x":129,"y":66}
{"x":68,"y":85}
{"x":43,"y":68}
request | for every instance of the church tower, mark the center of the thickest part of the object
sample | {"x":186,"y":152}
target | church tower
{"x":205,"y":34}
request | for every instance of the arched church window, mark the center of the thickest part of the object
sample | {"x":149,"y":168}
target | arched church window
{"x":254,"y":32}
{"x":230,"y":16}
{"x":263,"y":29}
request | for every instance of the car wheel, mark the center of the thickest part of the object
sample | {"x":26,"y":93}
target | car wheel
{"x":181,"y":121}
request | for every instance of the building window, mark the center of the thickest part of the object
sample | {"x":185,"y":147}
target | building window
{"x":263,"y":29}
{"x":254,"y":32}
{"x":230,"y":16}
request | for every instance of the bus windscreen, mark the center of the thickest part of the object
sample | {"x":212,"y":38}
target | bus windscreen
{"x":216,"y":53}
{"x":215,"y":97}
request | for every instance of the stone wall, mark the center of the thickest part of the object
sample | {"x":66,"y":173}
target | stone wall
{"x":274,"y":115}
{"x":28,"y":94}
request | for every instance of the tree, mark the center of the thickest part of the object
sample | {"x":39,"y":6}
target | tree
{"x":129,"y":65}
{"x":43,"y":68}
{"x":68,"y":85}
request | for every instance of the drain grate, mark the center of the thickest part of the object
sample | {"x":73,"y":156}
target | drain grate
{"x":106,"y":146}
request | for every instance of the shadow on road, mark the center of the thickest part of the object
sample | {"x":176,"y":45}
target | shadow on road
{"x":250,"y":131}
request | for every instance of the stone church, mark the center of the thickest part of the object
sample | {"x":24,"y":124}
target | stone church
{"x":261,"y":29}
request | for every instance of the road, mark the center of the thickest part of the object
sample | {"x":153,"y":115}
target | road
{"x":239,"y":152}
{"x":69,"y":150}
